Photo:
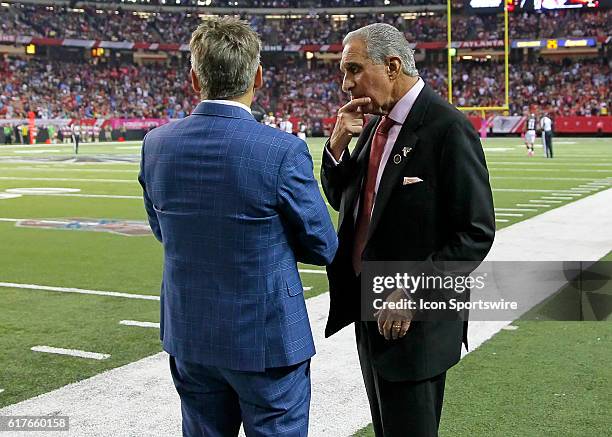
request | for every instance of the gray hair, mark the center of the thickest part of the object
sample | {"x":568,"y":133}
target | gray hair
{"x":382,"y":41}
{"x":225,"y":57}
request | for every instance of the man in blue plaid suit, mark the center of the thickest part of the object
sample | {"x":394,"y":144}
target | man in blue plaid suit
{"x":236,"y":206}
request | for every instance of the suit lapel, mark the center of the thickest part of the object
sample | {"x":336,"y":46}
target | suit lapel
{"x":407,"y":140}
{"x":405,"y":147}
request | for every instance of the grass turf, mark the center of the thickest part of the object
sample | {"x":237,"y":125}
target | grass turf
{"x":103,"y":261}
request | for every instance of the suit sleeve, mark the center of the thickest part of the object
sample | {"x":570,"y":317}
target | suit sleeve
{"x":467,"y":193}
{"x":334,"y":176}
{"x":151,"y":214}
{"x":311,"y":230}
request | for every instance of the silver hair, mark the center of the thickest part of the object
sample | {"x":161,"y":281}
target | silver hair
{"x":382,"y":41}
{"x":225,"y":55}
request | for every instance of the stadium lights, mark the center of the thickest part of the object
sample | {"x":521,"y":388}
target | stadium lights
{"x":309,"y":55}
{"x":6,"y":5}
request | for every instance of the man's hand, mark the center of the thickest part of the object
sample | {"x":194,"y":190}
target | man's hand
{"x":349,"y":122}
{"x":394,"y":323}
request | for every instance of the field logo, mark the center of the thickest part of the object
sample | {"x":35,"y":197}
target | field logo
{"x":128,"y":228}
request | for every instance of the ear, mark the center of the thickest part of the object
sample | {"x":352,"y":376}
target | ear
{"x":258,"y":83}
{"x":394,"y":67}
{"x":195,"y":83}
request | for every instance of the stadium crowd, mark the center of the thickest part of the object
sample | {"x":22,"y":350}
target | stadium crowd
{"x":60,"y":22}
{"x":279,"y":3}
{"x":68,"y":89}
{"x":54,"y":89}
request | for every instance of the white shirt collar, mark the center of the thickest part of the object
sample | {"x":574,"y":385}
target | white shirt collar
{"x":230,"y":103}
{"x":402,"y":108}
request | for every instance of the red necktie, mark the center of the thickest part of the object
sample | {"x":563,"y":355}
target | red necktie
{"x":367,"y":196}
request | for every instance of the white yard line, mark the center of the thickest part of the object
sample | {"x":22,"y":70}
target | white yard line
{"x":71,"y":352}
{"x":319,"y":272}
{"x":93,"y":196}
{"x":546,"y":201}
{"x":37,"y":151}
{"x":546,"y":164}
{"x":77,"y":291}
{"x":498,"y":220}
{"x":140,"y":324}
{"x":508,"y":214}
{"x":103,"y":170}
{"x":533,"y":204}
{"x":543,"y":178}
{"x":14,"y":178}
{"x":141,"y":398}
{"x":557,"y":170}
{"x":572,"y":194}
{"x":517,"y":209}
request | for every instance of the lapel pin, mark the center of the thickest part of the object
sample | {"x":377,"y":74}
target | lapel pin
{"x":397,"y":159}
{"x":406,"y":151}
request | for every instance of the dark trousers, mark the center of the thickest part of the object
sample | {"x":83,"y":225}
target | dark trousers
{"x":548,"y":144}
{"x":76,"y":139}
{"x":399,"y":409}
{"x":215,"y":401}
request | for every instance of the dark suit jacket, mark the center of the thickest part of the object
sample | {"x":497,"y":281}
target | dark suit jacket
{"x":447,"y":217}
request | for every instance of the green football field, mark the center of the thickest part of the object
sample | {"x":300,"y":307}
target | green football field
{"x":65,"y":252}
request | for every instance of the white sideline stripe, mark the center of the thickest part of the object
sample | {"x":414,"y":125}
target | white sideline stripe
{"x":508,"y":214}
{"x":71,"y":352}
{"x":516,"y":209}
{"x":141,"y":324}
{"x":501,"y":220}
{"x":78,"y":291}
{"x":533,"y":204}
{"x":307,"y":288}
{"x":547,"y":201}
{"x":557,"y":197}
{"x":12,"y":178}
{"x":320,"y":272}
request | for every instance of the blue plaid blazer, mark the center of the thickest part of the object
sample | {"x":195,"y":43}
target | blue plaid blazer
{"x":235,"y":205}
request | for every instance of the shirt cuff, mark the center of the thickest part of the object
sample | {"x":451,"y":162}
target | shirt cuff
{"x":331,"y":155}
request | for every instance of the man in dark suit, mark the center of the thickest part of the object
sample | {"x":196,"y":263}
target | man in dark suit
{"x":414,"y":188}
{"x":235,"y":205}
